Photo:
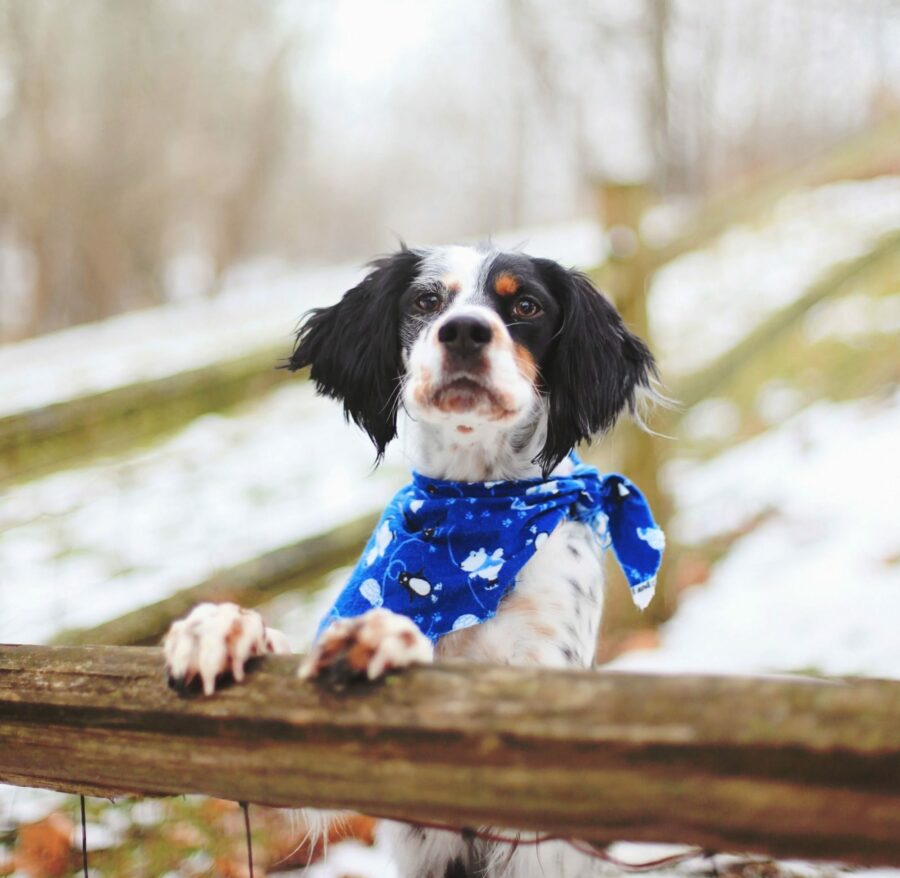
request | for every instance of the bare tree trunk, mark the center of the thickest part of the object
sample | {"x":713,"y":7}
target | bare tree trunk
{"x":639,"y":454}
{"x":657,"y":100}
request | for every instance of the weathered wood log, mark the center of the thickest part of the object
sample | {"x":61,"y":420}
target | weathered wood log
{"x":303,"y":566}
{"x":788,"y":767}
{"x":40,"y":441}
{"x":840,"y":279}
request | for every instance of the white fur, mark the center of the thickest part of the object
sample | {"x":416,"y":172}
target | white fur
{"x":550,"y":858}
{"x":476,"y":440}
{"x":551,"y":617}
{"x":417,"y":855}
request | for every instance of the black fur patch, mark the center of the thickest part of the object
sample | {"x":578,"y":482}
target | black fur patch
{"x":456,"y":869}
{"x":536,"y":335}
{"x":353,"y":347}
{"x":595,"y":369}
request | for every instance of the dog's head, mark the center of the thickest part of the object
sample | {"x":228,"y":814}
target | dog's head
{"x":465,"y":337}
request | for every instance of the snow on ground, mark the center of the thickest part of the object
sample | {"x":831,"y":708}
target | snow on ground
{"x":816,"y":586}
{"x":83,"y":546}
{"x":751,"y":271}
{"x":350,"y":858}
{"x":853,"y":318}
{"x":259,"y":306}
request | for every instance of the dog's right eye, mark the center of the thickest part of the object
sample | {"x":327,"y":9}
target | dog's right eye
{"x":427,"y":303}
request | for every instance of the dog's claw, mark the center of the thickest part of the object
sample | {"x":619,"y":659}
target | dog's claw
{"x":214,"y":643}
{"x":366,"y":647}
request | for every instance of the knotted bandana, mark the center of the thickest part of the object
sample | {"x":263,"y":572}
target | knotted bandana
{"x":445,"y":553}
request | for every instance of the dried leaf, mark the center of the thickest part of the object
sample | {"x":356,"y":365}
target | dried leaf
{"x":43,"y":849}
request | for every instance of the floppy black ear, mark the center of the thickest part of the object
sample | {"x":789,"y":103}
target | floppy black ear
{"x":595,"y":369}
{"x":353,"y":347}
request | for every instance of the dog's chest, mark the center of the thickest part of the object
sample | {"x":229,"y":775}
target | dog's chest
{"x":552,"y":615}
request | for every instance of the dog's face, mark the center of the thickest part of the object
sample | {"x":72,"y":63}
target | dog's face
{"x":475,"y":329}
{"x":466,"y":337}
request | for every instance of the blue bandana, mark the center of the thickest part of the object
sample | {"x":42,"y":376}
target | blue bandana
{"x":445,"y":553}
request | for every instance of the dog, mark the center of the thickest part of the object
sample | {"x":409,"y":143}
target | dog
{"x":493,"y":366}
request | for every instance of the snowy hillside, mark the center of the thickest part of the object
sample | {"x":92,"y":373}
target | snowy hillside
{"x":811,"y":584}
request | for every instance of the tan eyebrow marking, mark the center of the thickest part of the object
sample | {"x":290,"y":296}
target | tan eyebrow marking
{"x":451,"y":283}
{"x":506,"y":284}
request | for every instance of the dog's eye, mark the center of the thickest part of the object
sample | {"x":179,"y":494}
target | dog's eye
{"x":427,"y":303}
{"x":526,"y":308}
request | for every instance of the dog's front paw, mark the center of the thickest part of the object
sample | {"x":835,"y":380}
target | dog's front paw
{"x":217,"y":639}
{"x":368,"y":646}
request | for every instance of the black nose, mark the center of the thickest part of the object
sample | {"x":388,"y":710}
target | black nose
{"x":465,"y":335}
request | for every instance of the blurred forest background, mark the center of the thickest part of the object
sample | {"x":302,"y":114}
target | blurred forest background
{"x":181,"y":179}
{"x":147,"y":148}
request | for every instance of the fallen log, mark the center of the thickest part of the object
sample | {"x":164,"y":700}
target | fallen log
{"x":301,"y":567}
{"x":788,"y":767}
{"x":713,"y":377}
{"x":74,"y":431}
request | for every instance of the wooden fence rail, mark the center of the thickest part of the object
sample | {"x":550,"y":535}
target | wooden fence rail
{"x":788,"y":767}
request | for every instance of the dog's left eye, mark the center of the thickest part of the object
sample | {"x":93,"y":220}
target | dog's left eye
{"x":427,"y":303}
{"x":526,"y":308}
